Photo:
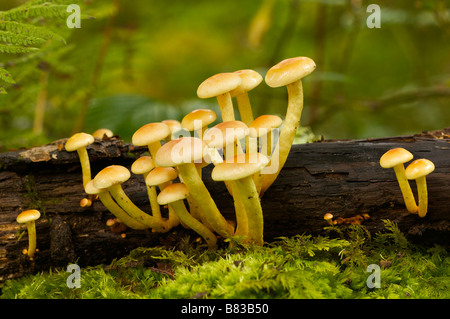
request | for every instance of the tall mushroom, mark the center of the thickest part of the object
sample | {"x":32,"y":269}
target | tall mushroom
{"x":111,"y":178}
{"x":250,"y":80}
{"x":142,"y":166}
{"x":418,"y":170}
{"x":287,"y":73}
{"x":395,"y":158}
{"x":29,"y":217}
{"x":173,"y":195}
{"x":182,"y":153}
{"x":78,"y":142}
{"x":113,"y":207}
{"x":198,"y":121}
{"x":151,"y":135}
{"x":219,"y":86}
{"x":240,"y":170}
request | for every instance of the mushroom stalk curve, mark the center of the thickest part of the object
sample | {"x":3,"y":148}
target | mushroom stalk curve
{"x":28,"y":218}
{"x":418,"y":170}
{"x":78,"y":142}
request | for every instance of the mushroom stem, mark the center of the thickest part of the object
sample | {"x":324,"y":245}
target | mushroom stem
{"x":288,"y":131}
{"x":117,"y":211}
{"x":31,"y":228}
{"x":250,"y":200}
{"x":226,"y":106}
{"x":405,"y":188}
{"x":193,"y":223}
{"x":85,"y":165}
{"x":201,"y":195}
{"x":123,"y":200}
{"x":423,"y":196}
{"x":245,"y":109}
{"x":152,"y":197}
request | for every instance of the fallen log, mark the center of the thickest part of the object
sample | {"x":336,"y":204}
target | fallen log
{"x":339,"y":177}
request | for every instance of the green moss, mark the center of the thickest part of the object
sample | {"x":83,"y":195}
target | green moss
{"x":298,"y":267}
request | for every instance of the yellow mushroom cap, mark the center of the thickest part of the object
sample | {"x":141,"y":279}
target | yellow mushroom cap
{"x":250,"y":80}
{"x":206,"y":117}
{"x":150,"y":133}
{"x":225,"y":133}
{"x":91,"y":189}
{"x":240,"y":166}
{"x":218,"y":84}
{"x":28,"y":216}
{"x":142,"y":165}
{"x":161,"y":175}
{"x":173,"y":125}
{"x":172,"y":193}
{"x":182,"y":150}
{"x":102,"y":132}
{"x":78,"y":140}
{"x":266,"y":123}
{"x":111,"y":175}
{"x":328,"y":216}
{"x":289,"y":71}
{"x":419,"y":168}
{"x":394,"y":157}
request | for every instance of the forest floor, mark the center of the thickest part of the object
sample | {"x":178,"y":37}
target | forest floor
{"x":347,"y":263}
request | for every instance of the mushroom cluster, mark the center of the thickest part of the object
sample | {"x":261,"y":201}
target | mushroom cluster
{"x":396,"y":158}
{"x":241,"y":149}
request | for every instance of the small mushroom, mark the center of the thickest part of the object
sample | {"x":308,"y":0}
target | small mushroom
{"x":103,"y":133}
{"x":220,"y":86}
{"x":250,"y":80}
{"x":163,"y":177}
{"x":329,"y":218}
{"x":29,"y":217}
{"x":174,"y":126}
{"x":78,"y":142}
{"x":111,"y":178}
{"x":113,"y":207}
{"x":142,"y":166}
{"x":198,"y":121}
{"x":395,"y":158}
{"x":240,"y":170}
{"x":182,"y":153}
{"x":173,"y":195}
{"x":289,"y":73}
{"x":151,"y":135}
{"x":418,"y":170}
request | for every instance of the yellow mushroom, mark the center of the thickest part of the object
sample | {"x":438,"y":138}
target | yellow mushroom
{"x":417,"y":170}
{"x":29,"y":218}
{"x":151,"y":135}
{"x":395,"y":158}
{"x":78,"y":142}
{"x":103,"y":133}
{"x":287,"y":73}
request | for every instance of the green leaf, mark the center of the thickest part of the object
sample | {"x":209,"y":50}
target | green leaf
{"x":6,"y":76}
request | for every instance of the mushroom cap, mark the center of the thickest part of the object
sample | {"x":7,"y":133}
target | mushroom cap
{"x":28,"y":216}
{"x":78,"y":140}
{"x":173,"y":125}
{"x":394,"y":157}
{"x":111,"y":175}
{"x":206,"y":117}
{"x":328,"y":216}
{"x":102,"y":132}
{"x":419,"y":168}
{"x":263,"y":124}
{"x":142,"y":165}
{"x":289,"y":71}
{"x":172,"y":193}
{"x":225,"y":133}
{"x":182,"y":150}
{"x":91,"y":189}
{"x":240,"y":166}
{"x":161,"y":175}
{"x":150,"y":133}
{"x":250,"y":80}
{"x":218,"y":84}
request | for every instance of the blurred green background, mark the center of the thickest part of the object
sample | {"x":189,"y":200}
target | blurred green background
{"x":135,"y":62}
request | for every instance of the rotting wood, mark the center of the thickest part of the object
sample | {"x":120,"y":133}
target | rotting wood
{"x":340,"y":177}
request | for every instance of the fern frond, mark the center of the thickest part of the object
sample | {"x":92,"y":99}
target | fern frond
{"x":20,"y":39}
{"x":45,"y":10}
{"x":16,"y":49}
{"x":30,"y":30}
{"x":6,"y":76}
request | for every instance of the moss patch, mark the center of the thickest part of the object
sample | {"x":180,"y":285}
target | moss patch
{"x":299,"y":267}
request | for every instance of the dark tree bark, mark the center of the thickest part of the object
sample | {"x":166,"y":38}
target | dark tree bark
{"x":340,"y":177}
